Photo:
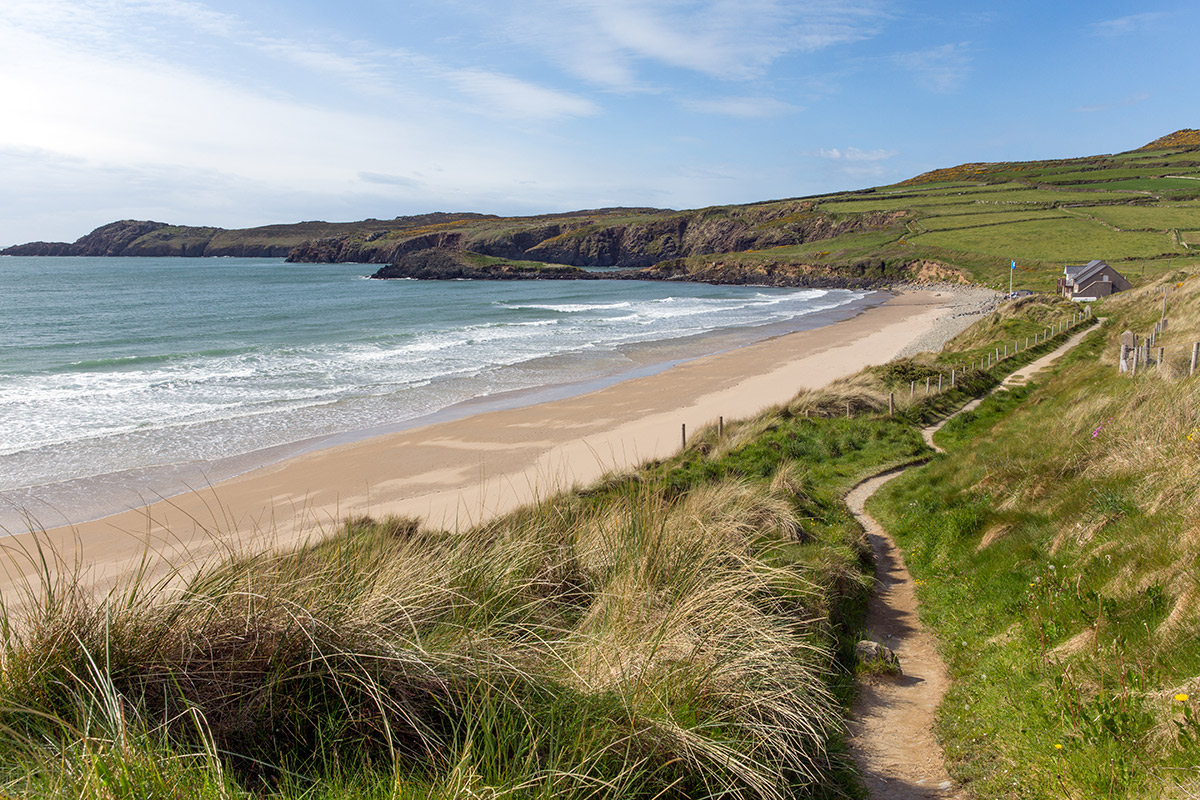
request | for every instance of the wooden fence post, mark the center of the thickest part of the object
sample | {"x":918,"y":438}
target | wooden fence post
{"x":720,"y":426}
{"x":891,"y":404}
{"x":927,"y":385}
{"x":684,"y":435}
{"x":1195,"y":357}
{"x":952,"y":377}
{"x":1160,"y":359}
{"x":939,"y":381}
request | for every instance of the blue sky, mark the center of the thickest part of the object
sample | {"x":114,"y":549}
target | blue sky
{"x":214,"y":112}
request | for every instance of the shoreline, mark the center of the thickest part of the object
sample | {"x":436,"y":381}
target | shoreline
{"x":460,"y":472}
{"x":87,"y":498}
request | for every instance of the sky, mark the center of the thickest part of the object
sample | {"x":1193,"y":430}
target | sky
{"x":236,"y":113}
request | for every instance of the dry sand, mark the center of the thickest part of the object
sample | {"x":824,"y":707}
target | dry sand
{"x":458,"y":473}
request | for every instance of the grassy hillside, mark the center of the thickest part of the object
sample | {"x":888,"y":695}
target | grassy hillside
{"x":1140,"y":211}
{"x":1056,"y":549}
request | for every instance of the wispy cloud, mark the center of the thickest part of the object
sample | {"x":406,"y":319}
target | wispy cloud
{"x":939,"y":69}
{"x":508,"y":96}
{"x":1130,"y":24}
{"x":606,"y":42}
{"x":745,"y":107}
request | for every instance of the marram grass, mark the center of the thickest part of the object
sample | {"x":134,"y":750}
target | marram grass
{"x":625,"y":645}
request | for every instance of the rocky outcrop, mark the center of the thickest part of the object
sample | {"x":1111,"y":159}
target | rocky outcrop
{"x":448,"y":264}
{"x":861,"y":274}
{"x":444,"y":264}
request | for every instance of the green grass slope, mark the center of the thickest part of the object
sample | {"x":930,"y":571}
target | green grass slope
{"x":1056,"y":549}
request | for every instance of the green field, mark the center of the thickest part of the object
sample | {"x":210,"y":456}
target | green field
{"x":1066,"y":240}
{"x":953,"y":221}
{"x":1157,"y":218}
{"x":1154,"y":185}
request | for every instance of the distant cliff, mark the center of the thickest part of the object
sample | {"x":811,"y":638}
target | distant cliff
{"x":145,"y":238}
{"x":639,"y":239}
{"x":131,"y":237}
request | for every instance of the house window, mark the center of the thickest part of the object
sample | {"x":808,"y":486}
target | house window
{"x":1106,"y":279}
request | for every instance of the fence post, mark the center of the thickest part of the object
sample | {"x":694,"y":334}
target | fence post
{"x":683,"y":434}
{"x":1195,"y":357}
{"x":720,"y":426}
{"x":912,"y":389}
{"x":939,"y":381}
{"x":1160,"y":359}
{"x":952,"y":377}
{"x":891,"y":404}
{"x":927,"y":385}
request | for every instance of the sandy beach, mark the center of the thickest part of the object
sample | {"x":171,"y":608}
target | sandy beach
{"x":461,"y":472}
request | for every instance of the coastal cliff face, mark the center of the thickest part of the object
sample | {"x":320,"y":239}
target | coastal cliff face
{"x":636,"y":243}
{"x":445,"y":264}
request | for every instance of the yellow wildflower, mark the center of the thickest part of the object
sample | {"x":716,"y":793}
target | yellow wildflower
{"x":1181,"y":697}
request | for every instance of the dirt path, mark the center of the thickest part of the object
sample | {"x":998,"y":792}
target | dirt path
{"x":892,"y":722}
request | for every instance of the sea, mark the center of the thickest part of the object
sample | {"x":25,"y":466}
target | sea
{"x":126,"y":380}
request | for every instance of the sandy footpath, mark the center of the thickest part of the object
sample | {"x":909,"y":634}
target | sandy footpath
{"x":460,"y":472}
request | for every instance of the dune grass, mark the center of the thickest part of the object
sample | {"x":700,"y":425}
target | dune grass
{"x":676,"y":631}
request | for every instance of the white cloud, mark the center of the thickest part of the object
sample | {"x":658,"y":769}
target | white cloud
{"x":939,"y":69}
{"x":1133,"y":23}
{"x":746,"y":107}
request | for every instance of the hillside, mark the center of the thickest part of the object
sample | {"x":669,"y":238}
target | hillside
{"x":1138,"y":210}
{"x":1054,"y":548}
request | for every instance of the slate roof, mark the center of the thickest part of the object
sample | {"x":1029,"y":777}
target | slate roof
{"x":1078,"y":274}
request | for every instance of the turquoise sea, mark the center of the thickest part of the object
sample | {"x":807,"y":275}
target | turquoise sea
{"x":124,"y":380}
